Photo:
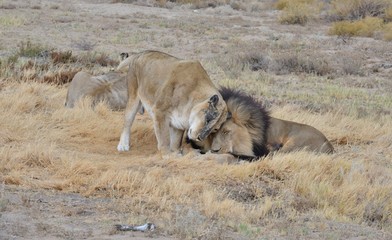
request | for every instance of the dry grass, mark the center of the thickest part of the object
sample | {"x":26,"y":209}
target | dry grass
{"x":44,"y":145}
{"x":341,"y":87}
{"x":11,"y":21}
{"x":366,"y":27}
{"x":299,"y":11}
{"x":387,"y":31}
{"x":35,"y":62}
{"x":358,"y":9}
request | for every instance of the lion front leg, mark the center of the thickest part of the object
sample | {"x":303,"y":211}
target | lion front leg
{"x":162,"y":132}
{"x":175,"y":138}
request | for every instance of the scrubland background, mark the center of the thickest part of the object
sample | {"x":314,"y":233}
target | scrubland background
{"x":323,"y":63}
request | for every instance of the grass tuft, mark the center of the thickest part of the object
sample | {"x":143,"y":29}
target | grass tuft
{"x":298,"y":12}
{"x":29,"y":49}
{"x":387,"y":31}
{"x":365,"y":27}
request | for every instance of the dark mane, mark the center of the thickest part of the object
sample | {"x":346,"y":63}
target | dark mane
{"x":258,"y":121}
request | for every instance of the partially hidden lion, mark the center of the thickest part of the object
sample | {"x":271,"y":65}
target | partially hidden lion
{"x":250,"y":135}
{"x":110,"y":87}
{"x":288,"y":136}
{"x":178,"y":94}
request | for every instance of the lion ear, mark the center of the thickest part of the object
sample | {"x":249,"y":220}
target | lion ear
{"x":229,"y":116}
{"x":214,"y":100}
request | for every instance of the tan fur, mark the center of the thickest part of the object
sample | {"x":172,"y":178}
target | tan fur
{"x":282,"y":135}
{"x":293,"y":136}
{"x":178,"y":94}
{"x":233,"y":137}
{"x":110,"y":87}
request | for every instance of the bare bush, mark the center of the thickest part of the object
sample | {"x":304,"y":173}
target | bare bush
{"x":60,"y":77}
{"x":59,"y":57}
{"x":358,"y":9}
{"x":85,"y":45}
{"x":293,"y":62}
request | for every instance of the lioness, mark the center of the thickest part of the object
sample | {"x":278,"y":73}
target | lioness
{"x":110,"y":87}
{"x":178,"y":94}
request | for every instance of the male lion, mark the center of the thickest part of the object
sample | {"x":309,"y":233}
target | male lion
{"x":287,"y":136}
{"x":178,"y":94}
{"x":238,"y":135}
{"x":110,"y":87}
{"x":244,"y":134}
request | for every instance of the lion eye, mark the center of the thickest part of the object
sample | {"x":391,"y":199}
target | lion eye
{"x":226,"y":132}
{"x":214,"y":130}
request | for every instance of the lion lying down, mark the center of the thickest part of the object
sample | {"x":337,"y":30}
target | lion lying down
{"x":287,"y":136}
{"x":110,"y":87}
{"x":251,"y":133}
{"x":178,"y":94}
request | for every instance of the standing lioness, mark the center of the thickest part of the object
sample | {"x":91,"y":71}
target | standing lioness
{"x":178,"y":94}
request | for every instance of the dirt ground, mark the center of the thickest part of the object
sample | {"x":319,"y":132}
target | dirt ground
{"x":47,"y":214}
{"x":79,"y":26}
{"x":40,"y":214}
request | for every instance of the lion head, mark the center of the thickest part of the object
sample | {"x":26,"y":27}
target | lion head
{"x":234,"y":138}
{"x":244,"y":131}
{"x":206,"y":117}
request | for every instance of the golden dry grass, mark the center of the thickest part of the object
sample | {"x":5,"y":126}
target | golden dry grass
{"x":365,"y":27}
{"x":44,"y":145}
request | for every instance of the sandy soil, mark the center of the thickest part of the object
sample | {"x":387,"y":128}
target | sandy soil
{"x":40,"y":214}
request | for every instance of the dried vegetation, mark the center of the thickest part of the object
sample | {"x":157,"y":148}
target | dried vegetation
{"x":329,"y":83}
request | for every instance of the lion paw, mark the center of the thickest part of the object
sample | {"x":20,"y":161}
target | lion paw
{"x":122,"y":147}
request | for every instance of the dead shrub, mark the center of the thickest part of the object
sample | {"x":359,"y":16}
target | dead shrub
{"x":85,"y":45}
{"x":60,"y":77}
{"x":365,"y":27}
{"x":358,"y":9}
{"x":282,"y":4}
{"x":375,"y":214}
{"x":255,"y":61}
{"x":388,"y":14}
{"x":345,"y":28}
{"x":101,"y":59}
{"x":32,"y":65}
{"x":59,"y":57}
{"x":288,"y":63}
{"x":350,"y":65}
{"x":299,"y":12}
